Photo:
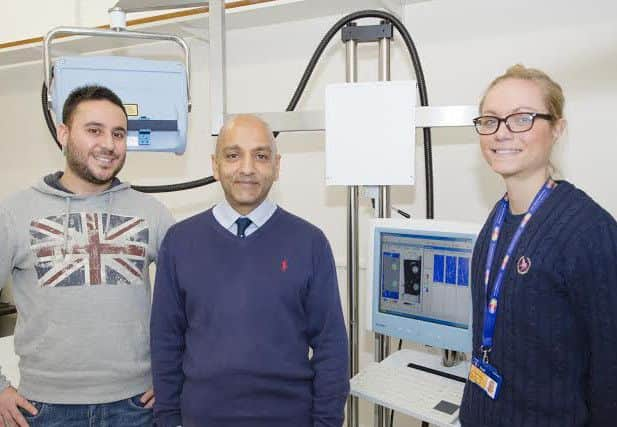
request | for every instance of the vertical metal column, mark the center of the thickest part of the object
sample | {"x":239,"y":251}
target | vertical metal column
{"x":353,"y":255}
{"x":382,"y":342}
{"x":218,"y":64}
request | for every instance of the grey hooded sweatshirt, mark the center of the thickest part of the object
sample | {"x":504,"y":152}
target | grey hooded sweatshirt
{"x":81,"y":285}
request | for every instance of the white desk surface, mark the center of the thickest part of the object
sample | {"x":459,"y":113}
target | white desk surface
{"x":9,"y":360}
{"x":429,"y":358}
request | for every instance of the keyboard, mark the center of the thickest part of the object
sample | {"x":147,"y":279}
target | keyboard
{"x":425,"y":396}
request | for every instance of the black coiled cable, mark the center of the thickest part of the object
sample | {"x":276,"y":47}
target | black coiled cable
{"x":415,"y":59}
{"x":428,"y":153}
{"x":47,"y":115}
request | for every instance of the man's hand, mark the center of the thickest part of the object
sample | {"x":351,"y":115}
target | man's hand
{"x":10,"y":401}
{"x":148,"y":399}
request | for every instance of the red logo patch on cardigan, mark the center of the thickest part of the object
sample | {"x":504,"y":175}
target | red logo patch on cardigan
{"x":284,"y":265}
{"x":523,"y":265}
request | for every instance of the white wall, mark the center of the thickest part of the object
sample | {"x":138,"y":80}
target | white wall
{"x":33,"y":18}
{"x":463,"y":45}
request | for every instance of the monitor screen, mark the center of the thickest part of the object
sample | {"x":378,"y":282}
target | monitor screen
{"x":421,"y":282}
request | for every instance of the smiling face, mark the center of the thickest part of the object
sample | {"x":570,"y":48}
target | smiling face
{"x":524,"y":154}
{"x":245,"y":162}
{"x":94,"y":142}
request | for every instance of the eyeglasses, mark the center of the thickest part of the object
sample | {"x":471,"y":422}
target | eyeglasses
{"x":516,"y":123}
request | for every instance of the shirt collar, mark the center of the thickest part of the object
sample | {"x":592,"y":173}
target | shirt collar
{"x":227,"y":216}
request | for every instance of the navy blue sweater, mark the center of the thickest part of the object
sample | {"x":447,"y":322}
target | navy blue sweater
{"x":555,"y":341}
{"x":232,"y":323}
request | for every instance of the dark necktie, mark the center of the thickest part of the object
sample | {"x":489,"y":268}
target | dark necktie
{"x":242,"y":223}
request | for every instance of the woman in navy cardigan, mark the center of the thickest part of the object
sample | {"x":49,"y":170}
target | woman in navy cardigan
{"x":544,"y":275}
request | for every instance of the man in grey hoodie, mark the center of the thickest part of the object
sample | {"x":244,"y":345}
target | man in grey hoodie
{"x":78,"y":246}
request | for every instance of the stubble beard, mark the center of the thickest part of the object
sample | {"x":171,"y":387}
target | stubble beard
{"x":79,"y":166}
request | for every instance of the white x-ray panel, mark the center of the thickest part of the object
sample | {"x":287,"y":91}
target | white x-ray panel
{"x":370,"y":133}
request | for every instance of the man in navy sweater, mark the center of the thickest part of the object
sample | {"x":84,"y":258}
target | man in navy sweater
{"x":242,"y":292}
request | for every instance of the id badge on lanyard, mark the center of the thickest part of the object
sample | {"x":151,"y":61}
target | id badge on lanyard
{"x":485,"y":376}
{"x":482,"y":373}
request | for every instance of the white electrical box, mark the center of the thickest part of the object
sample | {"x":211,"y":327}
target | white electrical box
{"x":370,"y":133}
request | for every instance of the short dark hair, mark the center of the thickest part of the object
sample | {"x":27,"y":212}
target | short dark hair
{"x":88,"y":93}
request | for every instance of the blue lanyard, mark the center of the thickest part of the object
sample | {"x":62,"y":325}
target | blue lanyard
{"x":490,"y":314}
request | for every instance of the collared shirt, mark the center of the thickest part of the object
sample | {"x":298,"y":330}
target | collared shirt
{"x":227,"y":216}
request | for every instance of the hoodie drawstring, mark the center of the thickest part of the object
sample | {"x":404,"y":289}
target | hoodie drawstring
{"x":66,"y":226}
{"x":110,"y":198}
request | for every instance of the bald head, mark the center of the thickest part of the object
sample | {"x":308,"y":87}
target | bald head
{"x":244,"y":123}
{"x":245,"y":162}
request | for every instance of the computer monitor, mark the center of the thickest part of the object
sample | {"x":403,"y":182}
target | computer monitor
{"x":420,"y":281}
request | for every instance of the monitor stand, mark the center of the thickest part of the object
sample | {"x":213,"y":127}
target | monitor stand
{"x":451,"y":358}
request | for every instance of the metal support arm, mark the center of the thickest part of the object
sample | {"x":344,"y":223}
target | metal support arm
{"x":130,"y":6}
{"x":78,"y":31}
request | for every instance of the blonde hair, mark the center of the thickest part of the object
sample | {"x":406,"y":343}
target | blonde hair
{"x":553,"y":94}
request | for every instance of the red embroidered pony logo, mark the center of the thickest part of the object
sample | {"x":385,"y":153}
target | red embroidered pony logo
{"x":284,"y":265}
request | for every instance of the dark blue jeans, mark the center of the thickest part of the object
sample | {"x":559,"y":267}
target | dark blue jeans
{"x":123,"y":413}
